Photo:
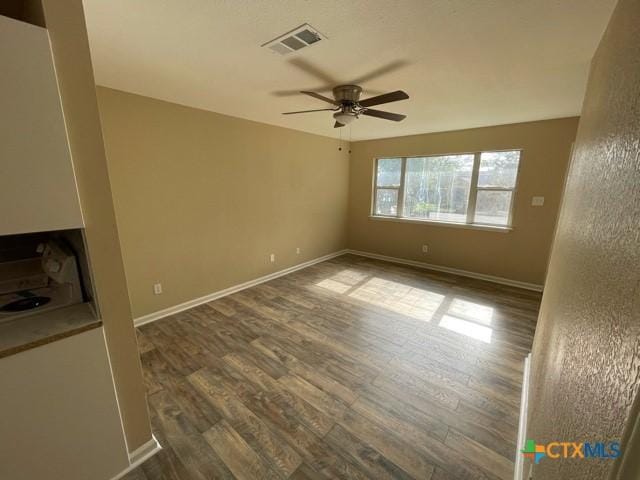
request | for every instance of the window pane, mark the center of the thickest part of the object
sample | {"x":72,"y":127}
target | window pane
{"x":437,"y":188}
{"x":498,"y":169}
{"x":389,"y":170}
{"x":493,"y":207}
{"x":386,"y":201}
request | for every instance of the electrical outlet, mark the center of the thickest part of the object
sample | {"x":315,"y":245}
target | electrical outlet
{"x":537,"y":201}
{"x":298,"y":251}
{"x":157,"y":288}
{"x":272,"y":257}
{"x":425,"y":248}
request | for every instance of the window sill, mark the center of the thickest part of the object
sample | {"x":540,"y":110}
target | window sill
{"x":467,"y":226}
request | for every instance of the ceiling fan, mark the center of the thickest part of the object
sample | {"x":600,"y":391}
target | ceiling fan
{"x":348,"y":106}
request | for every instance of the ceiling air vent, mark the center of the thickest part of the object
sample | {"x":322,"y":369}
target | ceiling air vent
{"x":298,"y":38}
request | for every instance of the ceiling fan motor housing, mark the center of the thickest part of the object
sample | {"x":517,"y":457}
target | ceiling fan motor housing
{"x":347,"y":93}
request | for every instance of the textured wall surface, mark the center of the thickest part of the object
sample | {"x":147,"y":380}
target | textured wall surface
{"x":202,"y":199}
{"x":586,"y":356}
{"x":521,"y":254}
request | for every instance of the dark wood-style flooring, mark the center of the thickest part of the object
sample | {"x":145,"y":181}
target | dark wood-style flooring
{"x":352,"y":368}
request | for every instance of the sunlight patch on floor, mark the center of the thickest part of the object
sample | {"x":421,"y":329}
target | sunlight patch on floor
{"x":349,"y":277}
{"x":333,"y":285}
{"x":475,"y":312}
{"x":397,"y":297}
{"x":455,"y":314}
{"x":465,"y":327}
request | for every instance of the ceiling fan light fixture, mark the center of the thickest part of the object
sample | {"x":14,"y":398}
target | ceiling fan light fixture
{"x":344,"y":117}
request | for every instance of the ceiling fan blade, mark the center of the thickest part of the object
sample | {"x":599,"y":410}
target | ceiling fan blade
{"x":295,"y":93}
{"x":396,"y":117}
{"x":286,"y":93}
{"x":338,"y":125}
{"x":313,"y":70}
{"x":322,"y":97}
{"x":308,"y":111}
{"x":324,"y":88}
{"x":385,"y":98}
{"x":390,"y":67}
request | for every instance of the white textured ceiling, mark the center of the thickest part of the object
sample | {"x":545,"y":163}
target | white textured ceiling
{"x":464,"y":63}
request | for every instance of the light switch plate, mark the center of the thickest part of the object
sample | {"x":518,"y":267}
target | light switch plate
{"x":537,"y":201}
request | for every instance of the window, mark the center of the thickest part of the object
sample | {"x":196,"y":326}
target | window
{"x":470,"y":188}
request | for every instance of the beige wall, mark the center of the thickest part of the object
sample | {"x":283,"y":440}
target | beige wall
{"x":67,"y":30}
{"x":202,"y":199}
{"x":586,"y":353}
{"x":521,"y":254}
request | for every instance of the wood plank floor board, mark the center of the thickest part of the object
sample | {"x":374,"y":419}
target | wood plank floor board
{"x":330,"y":464}
{"x":317,"y":421}
{"x":469,"y":425}
{"x":341,"y":370}
{"x":366,"y":355}
{"x":255,"y":432}
{"x":305,"y":472}
{"x":493,"y":432}
{"x":183,"y":438}
{"x":274,"y":412}
{"x":238,"y":456}
{"x":508,"y":371}
{"x":312,"y":375}
{"x":448,"y":392}
{"x":165,"y":465}
{"x":313,"y":395}
{"x":320,"y":353}
{"x":154,"y":371}
{"x":369,"y":459}
{"x":144,"y":344}
{"x":418,"y":433}
{"x":396,"y":331}
{"x":490,"y":462}
{"x":160,"y":376}
{"x":411,"y":385}
{"x":442,"y":380}
{"x":394,"y":414}
{"x":209,"y":342}
{"x":194,"y":406}
{"x":401,"y":453}
{"x":420,"y":360}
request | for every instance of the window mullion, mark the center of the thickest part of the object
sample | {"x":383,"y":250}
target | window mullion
{"x":374,"y":197}
{"x":400,"y":207}
{"x":374,"y":201}
{"x":473,"y":189}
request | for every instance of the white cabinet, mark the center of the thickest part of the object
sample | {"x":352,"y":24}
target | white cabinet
{"x":60,"y":418}
{"x":38,"y":190}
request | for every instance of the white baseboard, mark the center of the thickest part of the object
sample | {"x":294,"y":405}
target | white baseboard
{"x":152,"y":317}
{"x":463,"y":273}
{"x":519,"y":471}
{"x":140,"y":455}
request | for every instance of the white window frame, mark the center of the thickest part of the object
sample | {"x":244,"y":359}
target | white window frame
{"x":399,"y":188}
{"x":473,"y":193}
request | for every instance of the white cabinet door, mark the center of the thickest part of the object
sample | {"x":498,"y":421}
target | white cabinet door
{"x":38,"y":190}
{"x":60,"y":418}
